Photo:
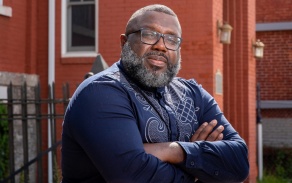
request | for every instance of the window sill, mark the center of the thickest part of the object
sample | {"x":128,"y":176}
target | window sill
{"x":79,"y":54}
{"x":6,"y":11}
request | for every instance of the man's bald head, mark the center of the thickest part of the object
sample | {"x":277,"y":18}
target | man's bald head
{"x":155,"y":7}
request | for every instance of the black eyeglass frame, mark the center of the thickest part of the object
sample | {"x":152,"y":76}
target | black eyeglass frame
{"x":160,"y":35}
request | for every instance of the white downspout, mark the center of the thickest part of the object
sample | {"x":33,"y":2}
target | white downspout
{"x":51,"y":75}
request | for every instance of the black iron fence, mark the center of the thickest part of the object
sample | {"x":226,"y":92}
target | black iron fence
{"x":32,"y":123}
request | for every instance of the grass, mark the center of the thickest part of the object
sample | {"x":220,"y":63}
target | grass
{"x":273,"y":179}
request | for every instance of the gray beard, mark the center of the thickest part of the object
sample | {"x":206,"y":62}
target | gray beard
{"x":135,"y":68}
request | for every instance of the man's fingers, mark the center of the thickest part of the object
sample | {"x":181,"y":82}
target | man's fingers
{"x":204,"y":131}
{"x":198,"y":131}
{"x":220,"y":137}
{"x":216,"y":134}
{"x":208,"y":132}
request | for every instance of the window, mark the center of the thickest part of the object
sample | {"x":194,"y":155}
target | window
{"x":5,"y":10}
{"x":80,"y":30}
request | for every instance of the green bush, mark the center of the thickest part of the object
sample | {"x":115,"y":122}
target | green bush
{"x":272,"y":179}
{"x":278,"y":161}
{"x":4,"y":148}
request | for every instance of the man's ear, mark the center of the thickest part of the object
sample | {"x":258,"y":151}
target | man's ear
{"x":123,"y":39}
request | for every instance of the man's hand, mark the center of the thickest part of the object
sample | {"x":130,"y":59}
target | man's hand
{"x":204,"y":132}
{"x":171,"y":152}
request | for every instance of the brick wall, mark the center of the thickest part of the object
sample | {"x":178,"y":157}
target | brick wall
{"x":13,"y":37}
{"x":23,"y":43}
{"x":273,"y":10}
{"x":239,"y":75}
{"x":274,"y":70}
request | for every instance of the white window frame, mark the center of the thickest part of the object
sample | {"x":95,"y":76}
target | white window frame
{"x":5,"y":10}
{"x":65,"y":34}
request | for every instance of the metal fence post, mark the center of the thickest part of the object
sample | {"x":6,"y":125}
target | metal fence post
{"x":11,"y":130}
{"x":39,"y":131}
{"x":24,"y":129}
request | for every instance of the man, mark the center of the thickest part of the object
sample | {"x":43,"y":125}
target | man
{"x":137,"y":122}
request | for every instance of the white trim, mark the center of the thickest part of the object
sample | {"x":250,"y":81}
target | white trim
{"x":5,"y":11}
{"x":51,"y":73}
{"x":273,"y":26}
{"x":79,"y":54}
{"x":96,"y":24}
{"x":64,"y":50}
{"x":63,"y":27}
{"x":51,"y":42}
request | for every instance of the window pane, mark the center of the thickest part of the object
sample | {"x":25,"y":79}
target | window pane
{"x":83,"y":25}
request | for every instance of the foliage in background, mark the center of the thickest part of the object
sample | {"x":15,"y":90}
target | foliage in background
{"x":277,"y":164}
{"x":273,"y":179}
{"x":4,"y":149}
{"x":21,"y":177}
{"x":56,"y":171}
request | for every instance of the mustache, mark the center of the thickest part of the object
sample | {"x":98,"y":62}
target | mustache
{"x":157,"y":54}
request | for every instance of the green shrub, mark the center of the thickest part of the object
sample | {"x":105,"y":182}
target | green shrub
{"x":278,"y":161}
{"x":4,"y":148}
{"x":272,"y":179}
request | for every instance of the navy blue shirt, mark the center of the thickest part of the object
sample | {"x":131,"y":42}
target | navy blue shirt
{"x":109,"y":118}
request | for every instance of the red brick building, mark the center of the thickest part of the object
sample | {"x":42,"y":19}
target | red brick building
{"x":47,"y":39}
{"x":274,"y":28}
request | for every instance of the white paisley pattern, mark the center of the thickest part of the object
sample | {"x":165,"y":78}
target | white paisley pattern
{"x":157,"y":125}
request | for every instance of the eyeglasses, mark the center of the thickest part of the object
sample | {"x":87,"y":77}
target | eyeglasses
{"x":150,"y":37}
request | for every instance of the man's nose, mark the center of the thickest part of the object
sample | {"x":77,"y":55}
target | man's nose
{"x":159,"y":45}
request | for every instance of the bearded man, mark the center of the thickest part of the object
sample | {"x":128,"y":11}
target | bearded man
{"x":137,"y":122}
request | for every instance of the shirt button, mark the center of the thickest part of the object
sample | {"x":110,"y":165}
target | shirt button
{"x":216,"y":173}
{"x":192,"y":163}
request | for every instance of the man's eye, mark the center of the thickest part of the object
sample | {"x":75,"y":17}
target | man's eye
{"x":149,"y":35}
{"x":172,"y":40}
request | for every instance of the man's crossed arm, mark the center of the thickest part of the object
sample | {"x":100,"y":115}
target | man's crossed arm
{"x":218,"y":159}
{"x":173,"y":153}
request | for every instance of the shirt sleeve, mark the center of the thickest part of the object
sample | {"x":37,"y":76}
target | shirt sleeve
{"x":218,"y":161}
{"x":100,"y":118}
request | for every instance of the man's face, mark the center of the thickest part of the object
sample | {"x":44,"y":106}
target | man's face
{"x":152,"y":65}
